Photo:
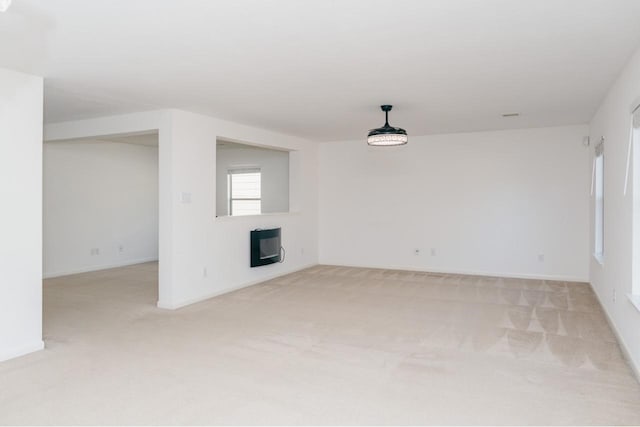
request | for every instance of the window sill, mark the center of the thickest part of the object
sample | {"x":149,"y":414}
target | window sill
{"x":599,"y":258}
{"x":239,"y":217}
{"x":635,"y":300}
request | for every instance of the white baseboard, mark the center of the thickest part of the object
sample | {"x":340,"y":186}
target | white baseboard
{"x":184,"y":303}
{"x":21,"y":350}
{"x":98,"y":267}
{"x":623,"y":345}
{"x":470,"y":272}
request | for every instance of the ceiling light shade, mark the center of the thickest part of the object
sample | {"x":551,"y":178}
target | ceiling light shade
{"x":387,"y":136}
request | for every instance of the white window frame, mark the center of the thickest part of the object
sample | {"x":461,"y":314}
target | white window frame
{"x":598,"y":197}
{"x":633,"y":161}
{"x":230,"y":198}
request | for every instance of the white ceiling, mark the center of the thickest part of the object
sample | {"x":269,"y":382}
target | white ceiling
{"x":223,"y":144}
{"x":149,"y":139}
{"x":321,"y":68}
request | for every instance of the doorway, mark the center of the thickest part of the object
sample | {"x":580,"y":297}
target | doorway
{"x":100,"y":212}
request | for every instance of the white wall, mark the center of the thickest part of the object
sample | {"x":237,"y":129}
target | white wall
{"x":211,"y":255}
{"x":101,"y":195}
{"x":274,"y":168}
{"x":20,"y":214}
{"x":201,"y":255}
{"x":487,"y":203}
{"x":613,"y":121}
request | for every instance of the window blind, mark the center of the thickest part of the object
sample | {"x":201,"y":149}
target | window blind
{"x":244,"y":191}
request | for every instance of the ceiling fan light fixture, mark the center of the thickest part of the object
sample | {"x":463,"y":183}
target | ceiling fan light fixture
{"x":387,"y":136}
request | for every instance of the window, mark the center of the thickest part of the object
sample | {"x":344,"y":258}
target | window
{"x":633,"y":163}
{"x":244,"y":189}
{"x":599,"y":202}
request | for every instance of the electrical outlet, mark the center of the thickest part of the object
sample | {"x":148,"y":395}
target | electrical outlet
{"x":94,"y":251}
{"x":205,"y":272}
{"x":301,"y":251}
{"x":433,"y":251}
{"x":541,"y":258}
{"x":416,"y":252}
{"x":120,"y":248}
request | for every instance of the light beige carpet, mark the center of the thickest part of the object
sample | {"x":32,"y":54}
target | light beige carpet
{"x":323,"y":346}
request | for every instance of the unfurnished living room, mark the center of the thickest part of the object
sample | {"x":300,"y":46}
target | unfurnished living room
{"x":321,"y":212}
